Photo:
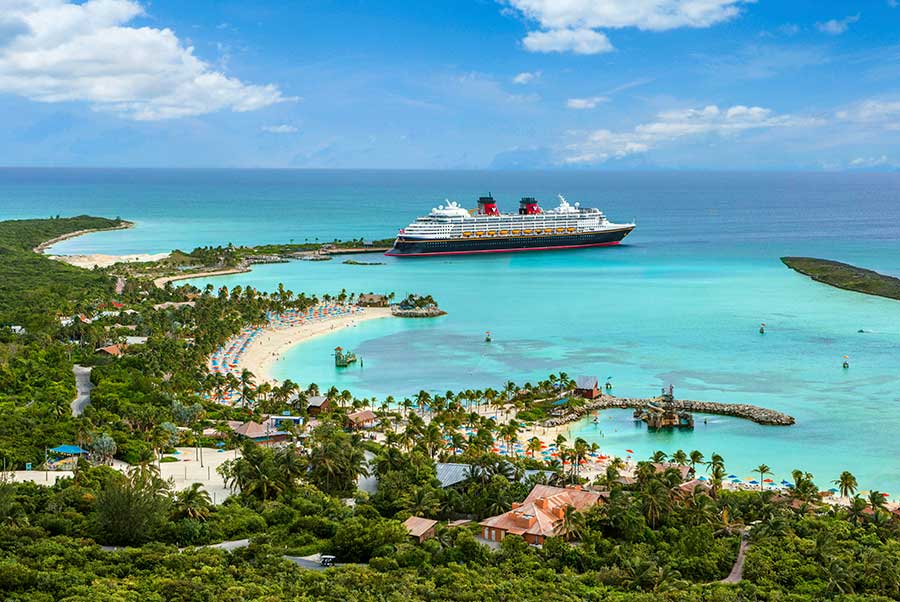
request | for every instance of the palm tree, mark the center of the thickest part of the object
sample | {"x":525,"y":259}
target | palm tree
{"x":763,"y":470}
{"x":680,"y":458}
{"x":533,"y":447}
{"x":247,"y":384}
{"x":658,"y":456}
{"x":696,"y":458}
{"x":876,"y":499}
{"x":571,"y":525}
{"x":192,"y":502}
{"x":656,"y":501}
{"x":846,"y":483}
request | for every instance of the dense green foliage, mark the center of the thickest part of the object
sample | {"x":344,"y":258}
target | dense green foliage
{"x":32,"y":286}
{"x":846,"y":276}
{"x":653,"y":537}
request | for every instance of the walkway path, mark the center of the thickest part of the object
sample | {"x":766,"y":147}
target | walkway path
{"x":737,"y":571}
{"x":83,"y":385}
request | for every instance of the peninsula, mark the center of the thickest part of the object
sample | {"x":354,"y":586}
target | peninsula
{"x":846,"y":276}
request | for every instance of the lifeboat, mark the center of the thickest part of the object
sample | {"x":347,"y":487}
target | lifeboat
{"x":467,"y":234}
{"x":516,"y":231}
{"x":492,"y":233}
{"x":527,"y":231}
{"x":479,"y":234}
{"x":560,"y":229}
{"x":571,"y":229}
{"x":548,"y":230}
{"x":504,"y":231}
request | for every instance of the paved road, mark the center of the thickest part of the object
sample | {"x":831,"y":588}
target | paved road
{"x":83,"y":385}
{"x":368,"y":484}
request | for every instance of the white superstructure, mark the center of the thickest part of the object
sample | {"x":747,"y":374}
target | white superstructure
{"x":451,"y":220}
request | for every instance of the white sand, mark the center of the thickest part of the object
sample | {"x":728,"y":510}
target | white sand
{"x":90,"y":262}
{"x":270,"y":345}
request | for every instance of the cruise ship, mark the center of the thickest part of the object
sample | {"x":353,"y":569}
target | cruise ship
{"x":451,"y":229}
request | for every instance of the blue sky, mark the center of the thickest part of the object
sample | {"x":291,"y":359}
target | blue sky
{"x":581,"y":84}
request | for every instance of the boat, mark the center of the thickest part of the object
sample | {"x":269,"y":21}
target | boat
{"x":447,"y":229}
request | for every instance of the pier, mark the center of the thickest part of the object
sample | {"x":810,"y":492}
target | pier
{"x":756,"y":414}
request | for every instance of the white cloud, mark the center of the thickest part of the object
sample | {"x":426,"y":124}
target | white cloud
{"x":868,"y":162}
{"x":836,"y":27}
{"x":883,"y":114}
{"x":568,"y":25}
{"x":602,"y":145}
{"x":87,"y":52}
{"x":586,"y":103}
{"x":654,"y":15}
{"x":279,"y":129}
{"x":579,"y":41}
{"x":526,"y":77}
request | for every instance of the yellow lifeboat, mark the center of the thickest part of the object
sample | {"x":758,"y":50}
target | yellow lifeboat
{"x":467,"y":234}
{"x":571,"y":229}
{"x":504,"y":231}
{"x":492,"y":232}
{"x":560,"y":229}
{"x":527,"y":231}
{"x":516,"y":231}
{"x":548,"y":230}
{"x":479,"y":234}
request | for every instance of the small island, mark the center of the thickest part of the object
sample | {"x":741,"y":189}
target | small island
{"x":417,"y":306}
{"x":846,"y":276}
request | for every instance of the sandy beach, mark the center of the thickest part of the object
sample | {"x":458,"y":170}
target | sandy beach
{"x":98,"y":260}
{"x":260,"y":351}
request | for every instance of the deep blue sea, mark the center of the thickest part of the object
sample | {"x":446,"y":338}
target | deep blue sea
{"x":680,"y":303}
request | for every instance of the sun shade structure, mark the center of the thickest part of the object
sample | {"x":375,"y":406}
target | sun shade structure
{"x":68,"y":450}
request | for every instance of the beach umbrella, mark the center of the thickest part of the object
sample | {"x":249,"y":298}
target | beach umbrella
{"x":754,"y":482}
{"x":220,"y":444}
{"x":785,"y":482}
{"x":701,"y":478}
{"x":833,"y":490}
{"x":768,"y":481}
{"x":630,"y":451}
{"x":886,"y":494}
{"x":733,"y":476}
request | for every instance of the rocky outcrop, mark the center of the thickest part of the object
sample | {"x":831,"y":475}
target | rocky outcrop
{"x":739,"y":410}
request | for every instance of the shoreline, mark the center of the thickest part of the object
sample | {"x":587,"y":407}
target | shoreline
{"x":272,"y":342}
{"x":45,"y":246}
{"x":163,"y":280}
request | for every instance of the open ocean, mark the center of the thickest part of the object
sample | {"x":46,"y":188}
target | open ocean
{"x":679,"y":303}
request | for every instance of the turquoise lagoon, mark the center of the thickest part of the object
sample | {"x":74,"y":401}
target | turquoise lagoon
{"x":680,"y":303}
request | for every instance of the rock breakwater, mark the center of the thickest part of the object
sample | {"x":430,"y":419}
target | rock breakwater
{"x":739,"y":410}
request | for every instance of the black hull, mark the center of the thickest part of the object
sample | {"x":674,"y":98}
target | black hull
{"x":506,"y":244}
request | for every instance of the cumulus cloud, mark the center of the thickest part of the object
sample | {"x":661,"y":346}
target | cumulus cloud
{"x":585,"y":103}
{"x":602,"y":145}
{"x":526,"y":77}
{"x":63,"y":51}
{"x":279,"y":129}
{"x":836,"y":27}
{"x":560,"y":20}
{"x":579,"y":41}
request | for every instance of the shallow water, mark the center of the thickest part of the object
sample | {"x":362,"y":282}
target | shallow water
{"x":680,"y":303}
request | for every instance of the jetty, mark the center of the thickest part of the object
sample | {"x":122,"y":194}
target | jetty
{"x":753,"y":413}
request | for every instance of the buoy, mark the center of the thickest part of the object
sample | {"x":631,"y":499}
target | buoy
{"x":487,"y":337}
{"x":846,"y":362}
{"x":762,"y":328}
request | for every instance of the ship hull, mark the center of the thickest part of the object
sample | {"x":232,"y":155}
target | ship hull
{"x":406,"y":247}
